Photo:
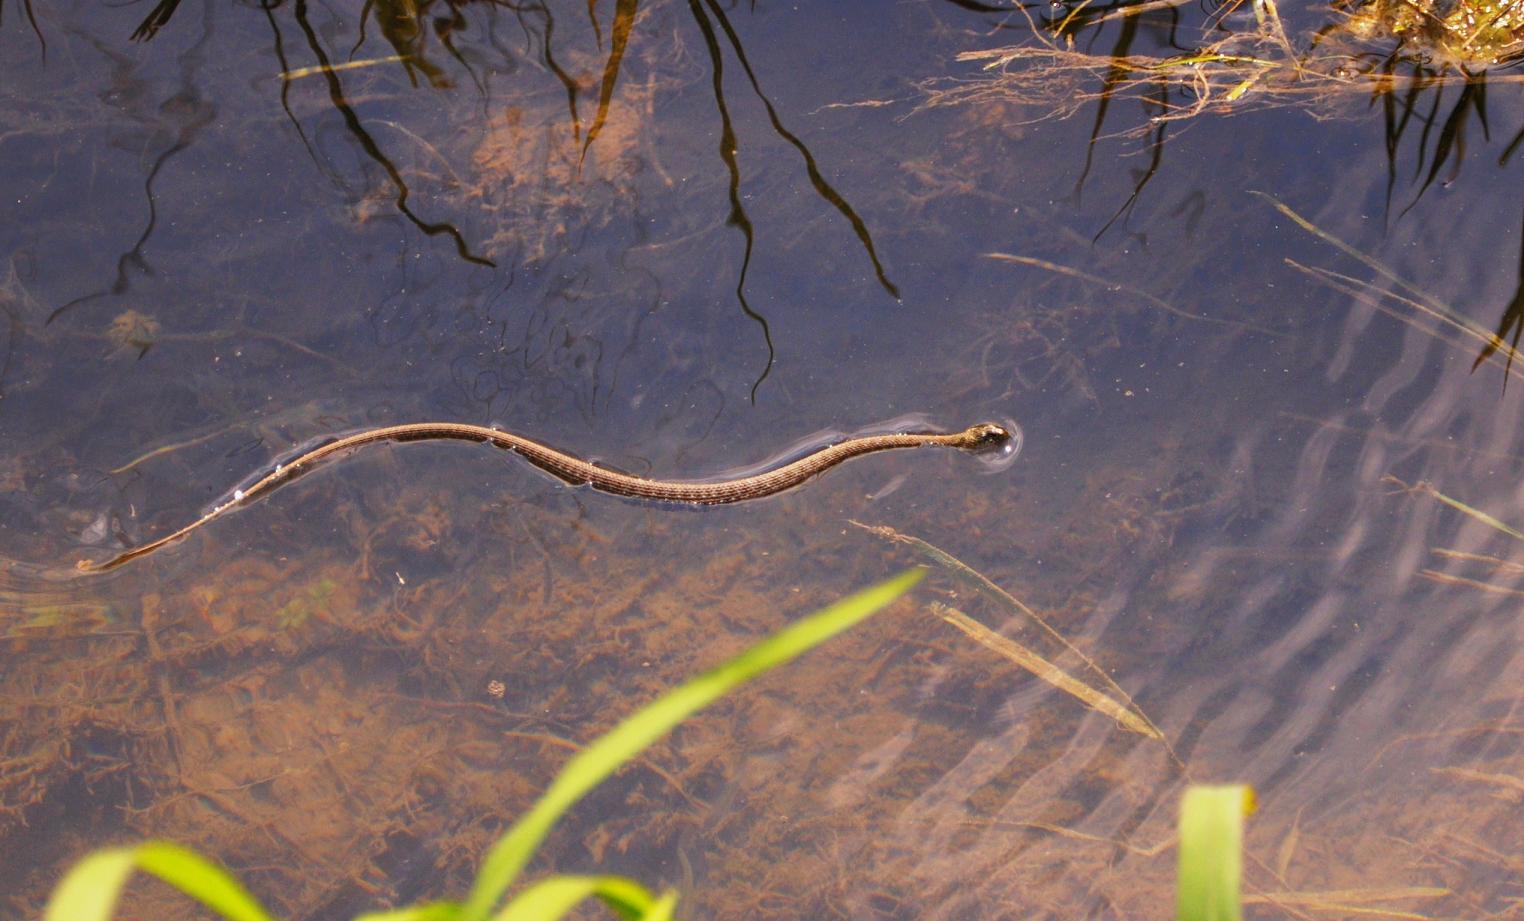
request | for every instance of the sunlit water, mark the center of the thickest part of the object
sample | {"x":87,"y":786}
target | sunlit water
{"x":1263,"y":490}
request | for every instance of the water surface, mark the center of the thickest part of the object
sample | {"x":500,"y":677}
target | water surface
{"x":1241,"y":333}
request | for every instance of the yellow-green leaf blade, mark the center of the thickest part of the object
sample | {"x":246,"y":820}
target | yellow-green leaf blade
{"x":432,"y":911}
{"x":551,"y":898}
{"x":604,"y":756}
{"x":663,"y":908}
{"x":90,"y":890}
{"x":1211,"y":852}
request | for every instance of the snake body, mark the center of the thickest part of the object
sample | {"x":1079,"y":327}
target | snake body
{"x":979,"y":438}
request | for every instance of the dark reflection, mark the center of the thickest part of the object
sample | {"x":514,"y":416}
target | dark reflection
{"x":975,"y":7}
{"x":624,"y":18}
{"x":1115,"y":75}
{"x":1409,"y":56}
{"x":737,"y":216}
{"x":1118,"y":75}
{"x":549,"y":57}
{"x":189,"y":114}
{"x":373,"y":150}
{"x":157,"y":19}
{"x":1451,"y":139}
{"x":1070,"y":20}
{"x":12,"y":326}
{"x":624,"y":21}
{"x":822,"y":188}
{"x":31,"y":18}
{"x":728,"y":149}
{"x":400,"y":25}
{"x":410,"y":28}
{"x":1510,"y":324}
{"x":180,"y":119}
{"x":279,"y":47}
{"x":1141,"y":177}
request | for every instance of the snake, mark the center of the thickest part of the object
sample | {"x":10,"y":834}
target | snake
{"x":981,"y":438}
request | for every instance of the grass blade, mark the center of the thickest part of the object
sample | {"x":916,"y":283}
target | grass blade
{"x":555,"y":896}
{"x":89,"y":891}
{"x":982,"y":584}
{"x":664,"y":909}
{"x":1211,"y":852}
{"x":1425,"y":486}
{"x":432,"y":911}
{"x":604,"y":756}
{"x":1047,"y":671}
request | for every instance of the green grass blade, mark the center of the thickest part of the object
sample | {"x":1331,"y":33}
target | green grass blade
{"x":551,"y":898}
{"x":663,"y":908}
{"x":604,"y":756}
{"x":1211,"y":852}
{"x":433,"y":911}
{"x":90,"y":890}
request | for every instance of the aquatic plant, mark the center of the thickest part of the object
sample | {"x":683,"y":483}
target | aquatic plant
{"x":1211,"y":820}
{"x":1425,"y":63}
{"x":1211,"y":852}
{"x":90,"y":890}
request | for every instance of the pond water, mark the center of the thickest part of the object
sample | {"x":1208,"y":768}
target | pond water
{"x":1234,"y":271}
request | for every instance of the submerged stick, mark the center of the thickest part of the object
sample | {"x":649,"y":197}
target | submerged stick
{"x":1047,"y":671}
{"x":1110,"y":285}
{"x":314,"y":70}
{"x":1424,"y":486}
{"x":1493,"y":347}
{"x":983,"y":585}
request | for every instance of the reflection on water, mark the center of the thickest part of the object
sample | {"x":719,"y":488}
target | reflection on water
{"x":1266,"y":503}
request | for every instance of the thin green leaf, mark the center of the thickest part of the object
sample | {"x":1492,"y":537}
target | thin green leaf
{"x":90,"y":890}
{"x":663,"y":908}
{"x":433,"y":911}
{"x":1211,"y":852}
{"x":551,"y":898}
{"x":604,"y":756}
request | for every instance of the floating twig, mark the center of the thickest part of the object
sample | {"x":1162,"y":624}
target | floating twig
{"x":1353,"y":901}
{"x":989,"y":589}
{"x":1047,"y":671}
{"x":1118,"y":286}
{"x":1498,"y":564}
{"x":314,"y":70}
{"x":1445,"y":578}
{"x":1424,"y":486}
{"x":1494,"y":348}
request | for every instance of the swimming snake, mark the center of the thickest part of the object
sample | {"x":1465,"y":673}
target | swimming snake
{"x":978,"y":438}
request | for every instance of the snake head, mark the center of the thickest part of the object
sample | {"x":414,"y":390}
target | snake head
{"x":987,"y":436}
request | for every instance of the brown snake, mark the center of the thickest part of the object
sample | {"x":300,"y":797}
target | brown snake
{"x":983,"y":437}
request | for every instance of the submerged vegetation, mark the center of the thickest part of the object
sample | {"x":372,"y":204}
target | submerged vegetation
{"x":1466,"y":33}
{"x":1424,"y":63}
{"x":90,"y":891}
{"x":1237,"y":62}
{"x":1209,"y":842}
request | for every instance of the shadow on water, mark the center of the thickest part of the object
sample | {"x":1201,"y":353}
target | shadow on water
{"x":175,"y":125}
{"x":1510,"y":324}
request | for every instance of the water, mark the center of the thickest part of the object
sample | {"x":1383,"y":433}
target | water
{"x":1251,"y":490}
